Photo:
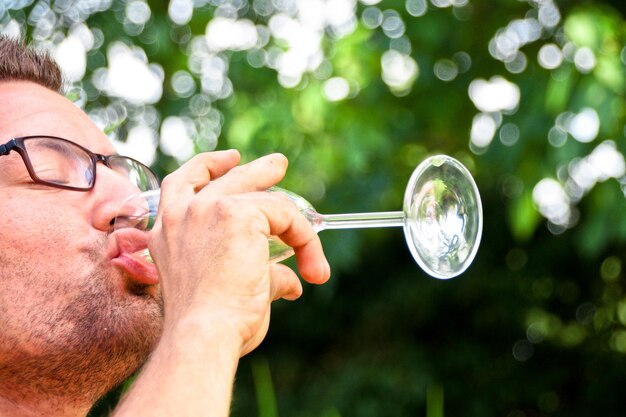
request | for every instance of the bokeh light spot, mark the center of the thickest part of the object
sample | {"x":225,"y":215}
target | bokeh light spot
{"x":483,"y":130}
{"x":130,"y":77}
{"x":138,"y":12}
{"x":72,"y":58}
{"x":446,"y":69}
{"x":372,"y":17}
{"x":180,"y":11}
{"x":183,"y":84}
{"x":494,"y":95}
{"x":140,"y":144}
{"x":416,"y":8}
{"x":611,"y":269}
{"x":584,"y":60}
{"x":584,"y":126}
{"x":550,"y":56}
{"x":552,"y":201}
{"x":176,"y":138}
{"x":399,"y":71}
{"x":229,"y":34}
{"x":336,"y":89}
{"x":509,"y":134}
{"x":523,"y":350}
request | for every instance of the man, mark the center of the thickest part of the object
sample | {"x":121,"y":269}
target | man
{"x":79,"y":312}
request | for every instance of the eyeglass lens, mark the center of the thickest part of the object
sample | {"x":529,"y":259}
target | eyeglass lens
{"x":133,"y":171}
{"x":60,"y":162}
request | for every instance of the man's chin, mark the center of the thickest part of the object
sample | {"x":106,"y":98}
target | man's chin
{"x":141,"y":329}
{"x":146,"y":306}
{"x":100,"y":329}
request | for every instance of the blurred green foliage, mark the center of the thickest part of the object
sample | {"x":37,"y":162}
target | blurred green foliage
{"x":537,"y":326}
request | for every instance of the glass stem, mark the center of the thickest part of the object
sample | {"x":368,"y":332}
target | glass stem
{"x":361,"y":220}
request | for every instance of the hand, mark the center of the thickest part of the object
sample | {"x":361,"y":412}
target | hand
{"x":210,"y":246}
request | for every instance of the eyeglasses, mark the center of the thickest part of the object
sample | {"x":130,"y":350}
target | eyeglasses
{"x":60,"y":163}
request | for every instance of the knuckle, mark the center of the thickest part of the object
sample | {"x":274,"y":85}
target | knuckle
{"x":169,"y":217}
{"x":196,"y":210}
{"x":167,"y":181}
{"x":224,"y":208}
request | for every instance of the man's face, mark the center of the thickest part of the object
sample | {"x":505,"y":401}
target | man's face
{"x":64,"y":300}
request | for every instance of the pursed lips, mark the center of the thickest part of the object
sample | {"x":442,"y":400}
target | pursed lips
{"x":127,"y":252}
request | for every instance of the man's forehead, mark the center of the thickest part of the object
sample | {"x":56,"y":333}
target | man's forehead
{"x":31,"y":109}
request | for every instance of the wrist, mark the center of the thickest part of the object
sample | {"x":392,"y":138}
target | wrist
{"x":201,"y":333}
{"x":191,"y":369}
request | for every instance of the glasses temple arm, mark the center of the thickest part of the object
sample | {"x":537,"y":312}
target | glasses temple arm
{"x":7,"y":147}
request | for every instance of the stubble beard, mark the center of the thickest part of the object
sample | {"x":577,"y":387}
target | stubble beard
{"x":81,"y":351}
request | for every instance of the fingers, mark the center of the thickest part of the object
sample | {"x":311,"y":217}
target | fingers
{"x":196,"y":173}
{"x":295,"y":230}
{"x":284,"y":283}
{"x":218,"y":173}
{"x":216,"y":178}
{"x":313,"y":269}
{"x":285,"y":221}
{"x":258,"y":175}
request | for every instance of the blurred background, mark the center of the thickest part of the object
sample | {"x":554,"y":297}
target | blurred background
{"x":529,"y":95}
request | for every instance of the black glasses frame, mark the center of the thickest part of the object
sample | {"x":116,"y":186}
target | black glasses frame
{"x":17,"y":144}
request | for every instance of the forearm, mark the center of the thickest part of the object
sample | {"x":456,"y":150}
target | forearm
{"x":190,"y":373}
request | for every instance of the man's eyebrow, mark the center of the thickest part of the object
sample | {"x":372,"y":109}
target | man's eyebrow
{"x":59,"y":146}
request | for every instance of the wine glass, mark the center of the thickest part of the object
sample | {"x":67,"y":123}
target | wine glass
{"x":441,"y":217}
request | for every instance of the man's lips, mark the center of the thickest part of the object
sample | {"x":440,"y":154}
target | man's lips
{"x":127,"y":251}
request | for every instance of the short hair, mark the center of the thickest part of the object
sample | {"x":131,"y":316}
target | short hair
{"x":19,"y":62}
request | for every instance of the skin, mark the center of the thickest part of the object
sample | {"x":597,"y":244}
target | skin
{"x":73,"y":324}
